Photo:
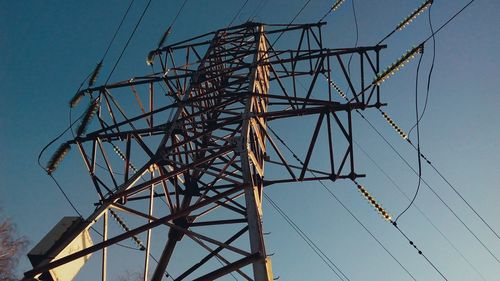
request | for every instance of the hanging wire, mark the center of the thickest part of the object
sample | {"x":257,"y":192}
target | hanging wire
{"x":418,"y":144}
{"x":91,"y":76}
{"x":169,"y":29}
{"x":238,"y":13}
{"x":426,"y":184}
{"x":432,"y":36}
{"x":324,"y":257}
{"x":449,"y":20}
{"x":333,"y":8}
{"x":430,"y":72}
{"x":403,"y":135}
{"x":398,"y":188}
{"x":409,"y":19}
{"x":422,"y":114}
{"x":95,"y":230}
{"x":342,"y":204}
{"x":291,"y":22}
{"x":128,"y":41}
{"x":385,"y":215}
{"x":440,"y":28}
{"x":355,"y":46}
{"x":357,"y":35}
{"x":420,"y":252}
{"x":429,"y":186}
{"x":117,"y":30}
{"x":258,"y":8}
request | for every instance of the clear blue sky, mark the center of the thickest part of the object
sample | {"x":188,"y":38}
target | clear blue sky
{"x":48,"y":47}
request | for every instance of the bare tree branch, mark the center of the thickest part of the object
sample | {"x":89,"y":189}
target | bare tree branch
{"x":10,"y":249}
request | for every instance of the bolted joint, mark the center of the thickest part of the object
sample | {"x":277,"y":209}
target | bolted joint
{"x":239,"y":146}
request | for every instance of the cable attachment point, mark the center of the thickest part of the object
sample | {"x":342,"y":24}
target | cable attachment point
{"x":336,"y":87}
{"x":394,"y":125}
{"x":164,"y":37}
{"x":87,"y":117}
{"x":57,"y":157}
{"x":414,"y":14}
{"x":150,"y":58}
{"x":373,"y":202}
{"x":336,"y":5}
{"x":95,"y":74}
{"x":122,"y":156}
{"x":391,"y":70}
{"x":76,"y":99}
{"x":127,"y":229}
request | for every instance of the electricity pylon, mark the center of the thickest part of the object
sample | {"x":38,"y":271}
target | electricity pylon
{"x":185,"y":169}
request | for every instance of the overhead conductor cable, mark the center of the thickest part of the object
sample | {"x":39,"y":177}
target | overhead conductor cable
{"x":393,"y":68}
{"x":163,"y":38}
{"x":92,"y":78}
{"x":333,"y":8}
{"x":333,"y":196}
{"x":404,"y":23}
{"x":414,"y":15}
{"x":385,"y":215}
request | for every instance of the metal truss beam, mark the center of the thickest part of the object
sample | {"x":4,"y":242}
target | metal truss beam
{"x":192,"y":139}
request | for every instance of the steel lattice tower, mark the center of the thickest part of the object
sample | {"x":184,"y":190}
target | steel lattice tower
{"x":190,"y":161}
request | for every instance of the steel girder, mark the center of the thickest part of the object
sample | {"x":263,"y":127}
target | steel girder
{"x":184,"y":150}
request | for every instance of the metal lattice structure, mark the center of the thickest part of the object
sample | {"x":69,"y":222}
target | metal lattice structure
{"x":192,"y":160}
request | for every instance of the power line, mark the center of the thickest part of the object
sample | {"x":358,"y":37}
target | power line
{"x":439,"y":29}
{"x":448,"y":21}
{"x":424,"y":109}
{"x":387,"y":217}
{"x":398,"y":188}
{"x":93,"y":228}
{"x":430,"y":188}
{"x":288,"y":25}
{"x":355,"y":43}
{"x":430,"y":72}
{"x":327,"y":260}
{"x":334,"y":7}
{"x":463,"y":199}
{"x":167,"y":32}
{"x":418,"y":144}
{"x":128,"y":41}
{"x":340,"y":202}
{"x":432,"y":36}
{"x":367,"y":230}
{"x":258,"y":8}
{"x":178,"y":13}
{"x":409,"y":19}
{"x":420,"y":252}
{"x":95,"y":73}
{"x":238,"y":12}
{"x":117,"y":30}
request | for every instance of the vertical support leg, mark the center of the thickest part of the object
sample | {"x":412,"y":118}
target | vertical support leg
{"x":105,"y":249}
{"x":261,"y":267}
{"x":148,"y":239}
{"x":252,"y":149}
{"x":165,"y":258}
